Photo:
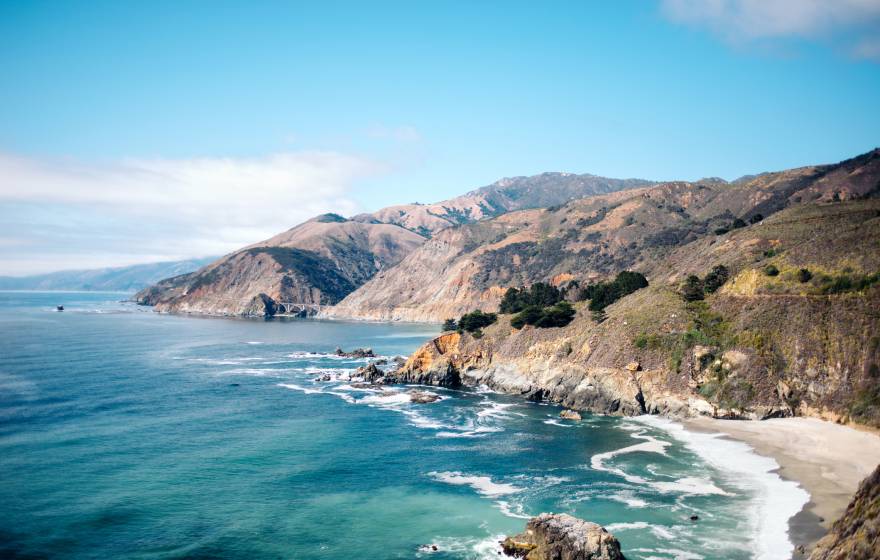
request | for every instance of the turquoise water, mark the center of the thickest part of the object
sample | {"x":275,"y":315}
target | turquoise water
{"x":129,"y":434}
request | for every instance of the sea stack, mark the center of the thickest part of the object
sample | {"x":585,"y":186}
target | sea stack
{"x":552,"y":536}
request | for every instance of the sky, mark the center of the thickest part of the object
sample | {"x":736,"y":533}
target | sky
{"x":147,"y":131}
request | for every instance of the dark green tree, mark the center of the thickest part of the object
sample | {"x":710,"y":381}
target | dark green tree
{"x":692,"y":289}
{"x":716,"y":278}
{"x":450,"y":325}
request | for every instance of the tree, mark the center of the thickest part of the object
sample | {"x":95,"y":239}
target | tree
{"x":692,"y":289}
{"x":756,"y":218}
{"x":737,"y":223}
{"x":716,"y":278}
{"x":804,"y":275}
{"x":476,"y":320}
{"x":771,"y":270}
{"x":449,"y":325}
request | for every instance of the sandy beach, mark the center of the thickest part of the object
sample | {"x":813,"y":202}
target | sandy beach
{"x":828,"y":460}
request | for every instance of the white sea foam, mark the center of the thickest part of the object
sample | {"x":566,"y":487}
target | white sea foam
{"x":389,"y":398}
{"x":658,"y":531}
{"x":627,"y":497}
{"x":555,"y":422}
{"x":694,"y":486}
{"x":476,"y":432}
{"x":515,"y":511}
{"x":669,"y":554}
{"x":481,"y":484}
{"x":300,"y":388}
{"x":774,"y":500}
{"x":254,"y":342}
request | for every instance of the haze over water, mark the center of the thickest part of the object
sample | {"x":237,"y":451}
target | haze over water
{"x":129,"y":434}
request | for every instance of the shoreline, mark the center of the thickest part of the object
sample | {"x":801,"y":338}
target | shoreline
{"x":827,"y":460}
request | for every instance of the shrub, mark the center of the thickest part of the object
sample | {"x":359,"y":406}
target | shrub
{"x":603,"y":294}
{"x":450,"y":325}
{"x":715,"y":279}
{"x":540,"y":295}
{"x":771,"y":270}
{"x":476,"y":320}
{"x":737,"y":223}
{"x":804,"y":275}
{"x":756,"y":218}
{"x":693,"y":288}
{"x":557,"y":315}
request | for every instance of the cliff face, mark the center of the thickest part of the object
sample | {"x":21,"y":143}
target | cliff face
{"x":469,"y":267}
{"x":326,"y":258}
{"x":856,"y":535}
{"x":317,"y":262}
{"x":760,"y":346}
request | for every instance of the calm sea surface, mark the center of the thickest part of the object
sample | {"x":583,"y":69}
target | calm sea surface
{"x":129,"y":434}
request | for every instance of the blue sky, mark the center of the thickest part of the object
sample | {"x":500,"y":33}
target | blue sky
{"x":122,"y":120}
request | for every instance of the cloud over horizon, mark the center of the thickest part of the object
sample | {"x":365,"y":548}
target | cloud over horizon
{"x":852,"y":25}
{"x":62,"y":214}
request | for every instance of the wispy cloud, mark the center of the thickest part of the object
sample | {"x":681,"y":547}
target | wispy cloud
{"x":58,"y":213}
{"x":403,"y":133}
{"x":853,"y":25}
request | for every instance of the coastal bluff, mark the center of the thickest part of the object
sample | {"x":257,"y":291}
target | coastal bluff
{"x":562,"y":537}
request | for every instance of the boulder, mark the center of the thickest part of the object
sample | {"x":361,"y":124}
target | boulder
{"x":633,"y":366}
{"x":370,"y":373}
{"x":356,"y":353}
{"x":570,"y":415}
{"x":562,"y":537}
{"x":422,"y":397}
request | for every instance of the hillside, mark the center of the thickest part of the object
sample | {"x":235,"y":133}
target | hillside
{"x":116,"y":279}
{"x":328,"y":257}
{"x":317,"y":262}
{"x":469,"y":266}
{"x":760,"y":346}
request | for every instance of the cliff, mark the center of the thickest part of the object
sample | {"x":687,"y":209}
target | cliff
{"x":856,"y":535}
{"x":469,"y":266}
{"x":760,"y":346}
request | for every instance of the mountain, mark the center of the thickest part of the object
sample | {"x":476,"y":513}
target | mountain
{"x":792,"y":330}
{"x":117,"y":279}
{"x":328,"y":257}
{"x":317,"y":262}
{"x":469,"y":266}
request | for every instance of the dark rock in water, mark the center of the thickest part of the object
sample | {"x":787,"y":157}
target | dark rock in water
{"x":382,"y":362}
{"x":235,"y":384}
{"x":562,"y":537}
{"x":422,"y":397}
{"x":399,"y":361}
{"x":695,"y":517}
{"x":326,"y":377}
{"x":370,"y":373}
{"x":59,"y":308}
{"x":356,"y":353}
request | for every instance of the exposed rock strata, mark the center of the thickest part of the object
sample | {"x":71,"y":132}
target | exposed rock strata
{"x":562,"y":537}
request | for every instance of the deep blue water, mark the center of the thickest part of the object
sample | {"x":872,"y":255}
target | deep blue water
{"x":129,"y":434}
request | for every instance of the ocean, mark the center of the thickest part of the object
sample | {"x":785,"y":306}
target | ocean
{"x":130,"y":434}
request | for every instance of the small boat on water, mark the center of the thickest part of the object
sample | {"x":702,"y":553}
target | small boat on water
{"x":59,"y":308}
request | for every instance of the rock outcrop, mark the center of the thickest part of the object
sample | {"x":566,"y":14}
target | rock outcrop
{"x":856,"y":535}
{"x":562,"y":537}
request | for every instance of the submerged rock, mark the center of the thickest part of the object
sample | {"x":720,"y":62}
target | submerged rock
{"x":422,"y":397}
{"x":562,"y":537}
{"x":356,"y":353}
{"x":570,"y":415}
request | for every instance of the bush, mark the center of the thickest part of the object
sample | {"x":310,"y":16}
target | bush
{"x":450,"y":325}
{"x":558,"y":315}
{"x":804,"y":275}
{"x":715,"y":279}
{"x":771,"y":270}
{"x":603,"y":294}
{"x":737,"y":223}
{"x":756,"y":218}
{"x":693,"y":288}
{"x":476,"y":320}
{"x":540,"y":295}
